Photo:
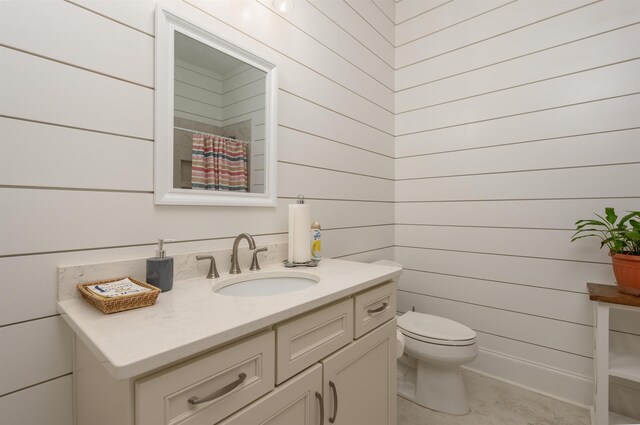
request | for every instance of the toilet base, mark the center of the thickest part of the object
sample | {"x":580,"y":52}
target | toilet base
{"x":437,"y":387}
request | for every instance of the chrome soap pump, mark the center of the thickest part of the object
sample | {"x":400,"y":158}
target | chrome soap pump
{"x":160,"y":268}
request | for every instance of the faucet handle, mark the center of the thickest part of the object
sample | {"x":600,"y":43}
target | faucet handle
{"x":213,"y":270}
{"x":254,"y":262}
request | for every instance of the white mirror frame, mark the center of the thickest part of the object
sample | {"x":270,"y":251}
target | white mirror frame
{"x":167,"y":22}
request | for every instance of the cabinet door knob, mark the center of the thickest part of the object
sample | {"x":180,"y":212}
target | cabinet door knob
{"x":319,"y":397}
{"x":332,"y":418}
{"x":379,"y":309}
{"x":219,"y":393}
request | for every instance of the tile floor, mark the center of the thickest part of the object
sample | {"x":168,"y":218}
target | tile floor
{"x":494,"y":402}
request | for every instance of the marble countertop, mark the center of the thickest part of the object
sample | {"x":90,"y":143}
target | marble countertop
{"x":191,"y":318}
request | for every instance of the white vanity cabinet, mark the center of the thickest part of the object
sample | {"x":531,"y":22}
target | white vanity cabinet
{"x":354,"y":386}
{"x":310,"y":369}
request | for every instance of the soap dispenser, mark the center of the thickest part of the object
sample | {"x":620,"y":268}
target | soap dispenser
{"x":160,"y":268}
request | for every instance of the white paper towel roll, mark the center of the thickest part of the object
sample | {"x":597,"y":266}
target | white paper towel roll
{"x":400,"y":343}
{"x":299,"y":233}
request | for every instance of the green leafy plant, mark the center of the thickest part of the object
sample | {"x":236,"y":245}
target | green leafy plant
{"x":621,"y":236}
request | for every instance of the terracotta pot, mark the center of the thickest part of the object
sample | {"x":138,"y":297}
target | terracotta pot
{"x":627,"y":271}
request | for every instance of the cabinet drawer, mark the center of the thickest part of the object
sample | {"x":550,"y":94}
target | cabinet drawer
{"x":163,"y":398}
{"x":374,"y":307}
{"x":305,"y":340}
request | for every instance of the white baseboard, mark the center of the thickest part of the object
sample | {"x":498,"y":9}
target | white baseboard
{"x":554,"y":383}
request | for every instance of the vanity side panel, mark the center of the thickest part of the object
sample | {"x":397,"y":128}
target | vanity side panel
{"x":103,"y":399}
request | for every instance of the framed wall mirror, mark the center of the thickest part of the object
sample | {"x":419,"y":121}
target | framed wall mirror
{"x":215,"y":118}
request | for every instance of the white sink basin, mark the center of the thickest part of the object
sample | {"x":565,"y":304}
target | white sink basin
{"x":265,"y":283}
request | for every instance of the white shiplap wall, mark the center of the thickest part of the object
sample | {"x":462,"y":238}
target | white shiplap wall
{"x":76,"y":156}
{"x":513,"y":120}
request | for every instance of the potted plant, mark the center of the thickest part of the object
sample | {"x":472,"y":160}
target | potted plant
{"x":622,"y":237}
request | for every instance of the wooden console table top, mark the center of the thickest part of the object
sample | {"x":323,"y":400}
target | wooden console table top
{"x":610,"y":294}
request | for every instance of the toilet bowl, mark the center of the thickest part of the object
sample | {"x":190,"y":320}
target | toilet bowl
{"x":433,"y":348}
{"x":439,"y":347}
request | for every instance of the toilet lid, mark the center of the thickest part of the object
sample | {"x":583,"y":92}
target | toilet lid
{"x":435,"y":327}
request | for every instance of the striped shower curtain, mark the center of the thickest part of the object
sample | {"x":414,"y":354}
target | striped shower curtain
{"x":219,"y":163}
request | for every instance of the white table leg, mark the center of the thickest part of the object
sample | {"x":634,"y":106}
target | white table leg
{"x":601,"y":364}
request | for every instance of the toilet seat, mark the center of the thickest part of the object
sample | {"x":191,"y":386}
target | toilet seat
{"x":435,"y":329}
{"x":435,"y":341}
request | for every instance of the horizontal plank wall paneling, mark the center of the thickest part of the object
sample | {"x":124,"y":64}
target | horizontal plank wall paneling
{"x":581,"y":366}
{"x":599,"y":116}
{"x":500,"y":21}
{"x":315,"y":24}
{"x":93,"y":42}
{"x":370,"y":256}
{"x":388,"y":8}
{"x":559,"y":214}
{"x":570,"y":58}
{"x":592,"y":19}
{"x":54,"y":404}
{"x":570,"y":152}
{"x":543,"y":184}
{"x":556,"y":274}
{"x":345,"y":16}
{"x":70,"y":228}
{"x":66,"y":157}
{"x":411,"y":9}
{"x":22,"y":344}
{"x":294,"y":147}
{"x":443,"y":17}
{"x":571,"y":89}
{"x":302,"y":115}
{"x":540,"y":243}
{"x":376,"y":18}
{"x":138,"y":14}
{"x":514,"y":120}
{"x":343,"y":242}
{"x":559,"y":305}
{"x":73,"y":97}
{"x":76,"y":155}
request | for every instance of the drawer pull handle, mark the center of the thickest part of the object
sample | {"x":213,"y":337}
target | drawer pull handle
{"x":332,"y":419}
{"x":219,"y":393}
{"x":319,"y":397}
{"x":379,"y":309}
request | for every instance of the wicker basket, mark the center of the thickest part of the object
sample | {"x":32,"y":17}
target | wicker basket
{"x":121,"y":303}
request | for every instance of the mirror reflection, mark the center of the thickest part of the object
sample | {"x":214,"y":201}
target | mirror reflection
{"x":219,"y":120}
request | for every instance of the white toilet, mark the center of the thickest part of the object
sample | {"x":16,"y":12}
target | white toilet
{"x":434,"y":349}
{"x":438,"y":347}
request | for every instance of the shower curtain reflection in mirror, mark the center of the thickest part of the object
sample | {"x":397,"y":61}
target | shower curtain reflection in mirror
{"x":219,"y":163}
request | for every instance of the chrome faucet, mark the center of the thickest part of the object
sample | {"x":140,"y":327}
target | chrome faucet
{"x":235,"y":267}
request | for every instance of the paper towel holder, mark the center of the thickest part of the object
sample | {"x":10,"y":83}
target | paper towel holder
{"x":311,"y":262}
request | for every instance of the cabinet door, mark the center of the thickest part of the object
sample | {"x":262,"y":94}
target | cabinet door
{"x":360,"y":380}
{"x":292,"y":403}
